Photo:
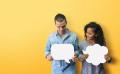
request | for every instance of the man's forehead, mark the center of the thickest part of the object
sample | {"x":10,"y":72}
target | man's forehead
{"x":63,"y":23}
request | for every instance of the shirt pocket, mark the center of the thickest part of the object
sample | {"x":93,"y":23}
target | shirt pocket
{"x":69,"y":42}
{"x":56,"y":63}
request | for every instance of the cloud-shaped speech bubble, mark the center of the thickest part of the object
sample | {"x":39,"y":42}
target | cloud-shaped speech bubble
{"x":62,"y":52}
{"x":96,"y":54}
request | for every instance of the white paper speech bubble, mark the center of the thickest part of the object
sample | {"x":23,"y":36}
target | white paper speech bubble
{"x":62,"y":52}
{"x":96,"y":54}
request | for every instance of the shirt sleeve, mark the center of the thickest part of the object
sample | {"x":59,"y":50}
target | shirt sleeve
{"x":78,"y":51}
{"x":48,"y":47}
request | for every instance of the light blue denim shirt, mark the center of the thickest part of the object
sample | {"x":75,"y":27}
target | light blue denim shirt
{"x":69,"y":38}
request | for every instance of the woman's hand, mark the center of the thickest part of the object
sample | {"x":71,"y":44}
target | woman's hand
{"x":107,"y":58}
{"x":83,"y":57}
{"x":75,"y":58}
{"x":49,"y":57}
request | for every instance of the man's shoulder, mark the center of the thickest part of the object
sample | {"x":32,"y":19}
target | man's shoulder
{"x":73,"y":34}
{"x":53,"y":34}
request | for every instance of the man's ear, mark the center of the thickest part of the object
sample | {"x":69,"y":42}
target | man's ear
{"x":66,"y":22}
{"x":55,"y":22}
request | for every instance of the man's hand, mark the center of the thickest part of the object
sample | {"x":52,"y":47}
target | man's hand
{"x":75,"y":58}
{"x":83,"y":57}
{"x":49,"y":58}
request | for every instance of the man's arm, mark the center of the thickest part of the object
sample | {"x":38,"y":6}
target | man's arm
{"x":48,"y":50}
{"x":76,"y":47}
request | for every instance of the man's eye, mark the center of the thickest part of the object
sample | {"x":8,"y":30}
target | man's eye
{"x":63,"y":26}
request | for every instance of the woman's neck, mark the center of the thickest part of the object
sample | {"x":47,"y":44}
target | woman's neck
{"x":91,"y":42}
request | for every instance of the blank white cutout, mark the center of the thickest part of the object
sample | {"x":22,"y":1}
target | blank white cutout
{"x":96,"y":54}
{"x":62,"y":52}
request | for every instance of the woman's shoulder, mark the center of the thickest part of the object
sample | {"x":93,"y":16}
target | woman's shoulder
{"x":83,"y":44}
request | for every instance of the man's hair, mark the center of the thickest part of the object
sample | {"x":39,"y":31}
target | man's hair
{"x":60,"y":18}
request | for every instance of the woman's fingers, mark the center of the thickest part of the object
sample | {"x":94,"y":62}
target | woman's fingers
{"x":107,"y":58}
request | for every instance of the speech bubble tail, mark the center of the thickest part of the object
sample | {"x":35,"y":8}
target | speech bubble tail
{"x":67,"y":60}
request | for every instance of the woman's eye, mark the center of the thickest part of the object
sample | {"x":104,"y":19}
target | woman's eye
{"x":90,"y":34}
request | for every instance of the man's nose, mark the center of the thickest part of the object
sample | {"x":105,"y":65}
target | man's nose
{"x":61,"y":29}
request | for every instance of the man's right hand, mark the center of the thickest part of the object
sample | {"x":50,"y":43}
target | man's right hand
{"x":49,"y":58}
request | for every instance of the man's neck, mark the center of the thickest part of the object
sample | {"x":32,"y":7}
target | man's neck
{"x":63,"y":33}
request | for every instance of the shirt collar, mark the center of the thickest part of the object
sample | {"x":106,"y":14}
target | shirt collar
{"x":67,"y":33}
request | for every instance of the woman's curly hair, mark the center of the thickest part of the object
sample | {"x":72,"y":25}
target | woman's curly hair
{"x":99,"y":36}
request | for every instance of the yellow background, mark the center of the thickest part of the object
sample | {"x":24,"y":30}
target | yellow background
{"x":26,"y":24}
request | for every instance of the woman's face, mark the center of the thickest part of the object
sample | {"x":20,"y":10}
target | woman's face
{"x":90,"y":34}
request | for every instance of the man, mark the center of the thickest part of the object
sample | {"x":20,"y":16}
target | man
{"x":62,"y":36}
